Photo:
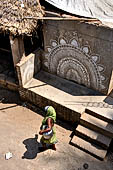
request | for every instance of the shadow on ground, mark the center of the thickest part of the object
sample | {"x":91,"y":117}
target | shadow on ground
{"x":9,"y":97}
{"x":32,"y":146}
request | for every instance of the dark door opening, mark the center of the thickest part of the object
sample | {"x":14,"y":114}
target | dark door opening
{"x":6,"y":59}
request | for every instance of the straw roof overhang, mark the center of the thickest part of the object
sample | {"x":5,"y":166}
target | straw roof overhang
{"x":13,"y":14}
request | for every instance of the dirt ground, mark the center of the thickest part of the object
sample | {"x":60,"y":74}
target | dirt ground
{"x":19,"y":127}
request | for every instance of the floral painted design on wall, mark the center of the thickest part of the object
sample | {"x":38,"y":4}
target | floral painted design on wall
{"x":70,"y":60}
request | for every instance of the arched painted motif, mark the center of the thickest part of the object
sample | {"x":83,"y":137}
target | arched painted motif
{"x":68,"y":59}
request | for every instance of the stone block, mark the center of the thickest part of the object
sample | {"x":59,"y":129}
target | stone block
{"x":92,"y":136}
{"x":25,"y":69}
{"x":97,"y":125}
{"x":90,"y":148}
{"x":104,"y":113}
{"x":28,"y":67}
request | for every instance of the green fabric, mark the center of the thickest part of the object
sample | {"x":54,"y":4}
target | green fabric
{"x":52,"y":140}
{"x":50,"y":114}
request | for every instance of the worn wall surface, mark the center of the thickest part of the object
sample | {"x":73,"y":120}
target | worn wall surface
{"x":63,"y":112}
{"x":28,"y":67}
{"x":80,"y":52}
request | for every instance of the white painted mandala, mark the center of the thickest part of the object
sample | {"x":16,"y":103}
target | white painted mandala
{"x":69,"y":60}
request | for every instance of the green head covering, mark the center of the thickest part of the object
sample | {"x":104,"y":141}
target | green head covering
{"x":50,"y":114}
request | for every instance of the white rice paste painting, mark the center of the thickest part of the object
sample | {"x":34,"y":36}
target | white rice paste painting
{"x":68,"y":59}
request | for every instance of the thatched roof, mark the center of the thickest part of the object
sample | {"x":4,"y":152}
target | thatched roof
{"x":13,"y":14}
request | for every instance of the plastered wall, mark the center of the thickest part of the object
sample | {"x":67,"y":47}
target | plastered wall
{"x":80,"y":52}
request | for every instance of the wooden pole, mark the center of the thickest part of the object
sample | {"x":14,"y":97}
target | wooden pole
{"x":110,"y":89}
{"x":17,"y":47}
{"x":62,"y":18}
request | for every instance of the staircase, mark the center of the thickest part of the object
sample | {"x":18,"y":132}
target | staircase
{"x":94,"y":133}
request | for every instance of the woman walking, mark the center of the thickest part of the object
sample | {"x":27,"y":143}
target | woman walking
{"x":48,"y":131}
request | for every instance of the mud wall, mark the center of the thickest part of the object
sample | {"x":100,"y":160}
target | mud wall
{"x":80,"y":52}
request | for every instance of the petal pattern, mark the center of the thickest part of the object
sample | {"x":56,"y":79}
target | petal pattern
{"x":49,"y":49}
{"x":102,"y":78}
{"x":74,"y":43}
{"x":100,"y":68}
{"x":46,"y":63}
{"x":54,"y":43}
{"x":62,"y":42}
{"x":95,"y":58}
{"x":86,"y":50}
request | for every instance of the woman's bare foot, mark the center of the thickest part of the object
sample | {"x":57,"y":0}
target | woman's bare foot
{"x":54,"y":147}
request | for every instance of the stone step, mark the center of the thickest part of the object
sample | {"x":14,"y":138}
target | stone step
{"x":97,"y":125}
{"x":92,"y":136}
{"x":90,"y":148}
{"x":106,"y":116}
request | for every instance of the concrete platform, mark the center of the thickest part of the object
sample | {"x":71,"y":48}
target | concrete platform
{"x":93,"y":136}
{"x":60,"y":90}
{"x":89,"y":148}
{"x":103,"y":115}
{"x":96,"y":124}
{"x":69,"y":99}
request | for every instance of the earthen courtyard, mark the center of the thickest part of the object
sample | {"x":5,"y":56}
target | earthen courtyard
{"x":19,"y":127}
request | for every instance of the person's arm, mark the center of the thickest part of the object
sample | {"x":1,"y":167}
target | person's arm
{"x":49,"y":124}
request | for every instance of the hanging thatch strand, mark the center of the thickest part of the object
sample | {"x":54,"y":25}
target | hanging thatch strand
{"x":12,"y":13}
